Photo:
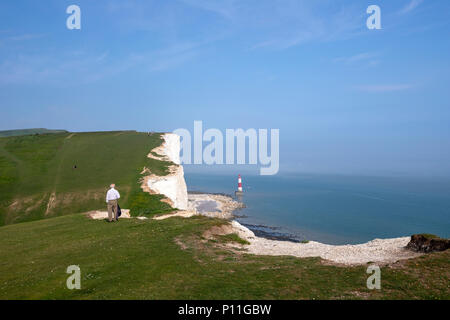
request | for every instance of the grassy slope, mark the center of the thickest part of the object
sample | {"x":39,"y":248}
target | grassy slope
{"x":136,"y":259}
{"x":37,"y":178}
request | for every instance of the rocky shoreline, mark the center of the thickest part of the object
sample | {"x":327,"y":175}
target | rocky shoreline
{"x":261,"y":242}
{"x":269,"y":233}
{"x":213,"y":205}
{"x":225,"y":207}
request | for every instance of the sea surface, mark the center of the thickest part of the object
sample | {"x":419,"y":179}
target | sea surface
{"x":335,"y":209}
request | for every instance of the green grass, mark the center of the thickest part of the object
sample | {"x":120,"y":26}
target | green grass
{"x":167,"y":259}
{"x":233,"y":237}
{"x":38,"y":179}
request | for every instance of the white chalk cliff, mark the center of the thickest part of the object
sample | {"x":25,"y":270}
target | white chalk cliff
{"x":173,"y":185}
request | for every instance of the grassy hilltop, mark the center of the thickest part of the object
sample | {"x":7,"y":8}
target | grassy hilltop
{"x":38,"y":179}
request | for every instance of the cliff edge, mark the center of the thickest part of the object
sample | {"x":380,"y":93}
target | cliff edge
{"x":173,"y":185}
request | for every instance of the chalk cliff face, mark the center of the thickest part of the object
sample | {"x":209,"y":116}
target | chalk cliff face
{"x":173,"y":186}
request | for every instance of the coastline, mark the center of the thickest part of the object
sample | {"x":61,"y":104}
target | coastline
{"x":258,"y":242}
{"x":379,"y":251}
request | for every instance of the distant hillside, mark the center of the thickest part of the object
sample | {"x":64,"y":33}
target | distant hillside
{"x":50,"y":175}
{"x":24,"y":132}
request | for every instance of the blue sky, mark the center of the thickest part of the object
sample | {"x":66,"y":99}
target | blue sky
{"x":346,"y":99}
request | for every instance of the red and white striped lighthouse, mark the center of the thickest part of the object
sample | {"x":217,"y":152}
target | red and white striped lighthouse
{"x":239,"y":183}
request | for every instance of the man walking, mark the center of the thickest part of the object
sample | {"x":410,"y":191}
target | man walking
{"x":111,"y":199}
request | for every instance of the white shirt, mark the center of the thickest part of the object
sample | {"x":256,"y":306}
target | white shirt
{"x":112,"y":194}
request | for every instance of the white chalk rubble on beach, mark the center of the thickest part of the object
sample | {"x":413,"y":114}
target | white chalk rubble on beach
{"x":381,"y":251}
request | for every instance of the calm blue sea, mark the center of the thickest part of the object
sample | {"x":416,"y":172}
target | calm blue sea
{"x":337,"y":209}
